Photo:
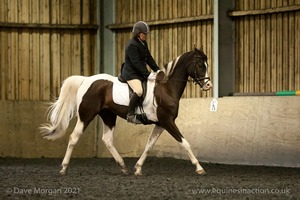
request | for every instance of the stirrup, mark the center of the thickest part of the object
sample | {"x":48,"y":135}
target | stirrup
{"x":132,"y":118}
{"x":143,"y":118}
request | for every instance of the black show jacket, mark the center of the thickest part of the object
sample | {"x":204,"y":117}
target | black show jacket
{"x":137,"y":55}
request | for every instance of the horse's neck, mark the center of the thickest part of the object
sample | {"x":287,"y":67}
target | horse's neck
{"x":177,"y":82}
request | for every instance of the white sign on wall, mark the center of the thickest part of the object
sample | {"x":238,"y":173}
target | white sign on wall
{"x":214,"y":105}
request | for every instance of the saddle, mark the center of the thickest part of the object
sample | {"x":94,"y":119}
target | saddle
{"x":144,"y":86}
{"x":141,"y":117}
{"x":145,"y":111}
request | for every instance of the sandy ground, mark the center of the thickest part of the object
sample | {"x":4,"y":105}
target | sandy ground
{"x":163,"y":178}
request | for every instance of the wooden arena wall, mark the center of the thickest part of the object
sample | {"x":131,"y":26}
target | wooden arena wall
{"x":41,"y":43}
{"x":176,"y":26}
{"x":266,"y":34}
{"x":267,"y":45}
{"x":44,"y":41}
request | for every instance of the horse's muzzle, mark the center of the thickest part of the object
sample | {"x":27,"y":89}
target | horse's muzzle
{"x":207,"y":85}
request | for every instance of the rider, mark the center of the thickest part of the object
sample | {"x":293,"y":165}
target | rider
{"x":137,"y":55}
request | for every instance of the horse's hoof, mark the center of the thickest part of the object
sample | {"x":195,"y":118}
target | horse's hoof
{"x":138,"y":173}
{"x":63,"y":173}
{"x":201,"y":172}
{"x":124,"y":171}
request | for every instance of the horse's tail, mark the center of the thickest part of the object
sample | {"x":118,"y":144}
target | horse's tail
{"x":63,"y":109}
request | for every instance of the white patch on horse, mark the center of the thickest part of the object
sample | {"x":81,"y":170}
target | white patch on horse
{"x":170,"y":66}
{"x":121,"y":97}
{"x":206,"y":65}
{"x":88,"y":82}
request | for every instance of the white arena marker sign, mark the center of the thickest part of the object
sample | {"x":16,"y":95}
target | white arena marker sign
{"x":214,"y":105}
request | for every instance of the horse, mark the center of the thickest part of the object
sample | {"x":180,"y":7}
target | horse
{"x":87,"y":97}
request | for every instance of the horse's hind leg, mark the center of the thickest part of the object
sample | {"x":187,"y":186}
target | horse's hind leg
{"x":74,"y":137}
{"x":109,"y":122}
{"x":157,"y":130}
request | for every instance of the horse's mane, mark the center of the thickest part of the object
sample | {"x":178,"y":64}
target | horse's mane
{"x":170,"y":67}
{"x":186,"y":57}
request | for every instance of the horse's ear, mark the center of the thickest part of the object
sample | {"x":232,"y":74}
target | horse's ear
{"x":201,"y":48}
{"x":195,"y":48}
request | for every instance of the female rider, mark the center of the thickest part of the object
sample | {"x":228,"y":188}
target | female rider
{"x":134,"y":71}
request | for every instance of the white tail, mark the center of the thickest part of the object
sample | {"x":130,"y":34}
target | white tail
{"x":63,"y":109}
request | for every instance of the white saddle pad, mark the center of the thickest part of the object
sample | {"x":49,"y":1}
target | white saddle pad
{"x":121,"y":97}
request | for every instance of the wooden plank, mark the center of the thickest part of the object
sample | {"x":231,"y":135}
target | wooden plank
{"x":85,"y":15}
{"x":262,"y":52}
{"x":273,"y":51}
{"x":48,"y":26}
{"x":65,"y":40}
{"x":14,"y":64}
{"x":285,"y":50}
{"x":279,"y":55}
{"x":44,"y":53}
{"x":55,"y":58}
{"x":268,"y":51}
{"x":162,"y":22}
{"x":3,"y":53}
{"x":3,"y":63}
{"x":249,"y":12}
{"x":75,"y":39}
{"x":239,"y":48}
{"x":246,"y":87}
{"x":118,"y":8}
{"x":24,"y":61}
{"x":256,"y":52}
{"x":34,"y":52}
{"x":65,"y":54}
{"x":9,"y":72}
{"x":86,"y":56}
{"x":175,"y":35}
{"x":291,"y":45}
{"x":297,"y":48}
{"x":13,"y":53}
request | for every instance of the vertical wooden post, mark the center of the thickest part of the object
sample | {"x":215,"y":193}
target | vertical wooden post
{"x":108,"y":38}
{"x":226,"y":49}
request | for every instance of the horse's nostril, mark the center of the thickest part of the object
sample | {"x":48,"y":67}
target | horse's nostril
{"x":209,"y":84}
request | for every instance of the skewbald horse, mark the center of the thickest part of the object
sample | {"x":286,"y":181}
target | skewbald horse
{"x":86,"y":97}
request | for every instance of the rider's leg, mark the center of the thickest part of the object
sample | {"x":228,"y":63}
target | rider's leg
{"x":136,"y":86}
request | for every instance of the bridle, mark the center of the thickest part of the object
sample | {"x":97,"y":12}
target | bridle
{"x":198,"y":80}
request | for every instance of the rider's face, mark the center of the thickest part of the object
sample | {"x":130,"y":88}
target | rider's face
{"x":143,"y":36}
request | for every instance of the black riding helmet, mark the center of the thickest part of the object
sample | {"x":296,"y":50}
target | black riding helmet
{"x":140,"y":27}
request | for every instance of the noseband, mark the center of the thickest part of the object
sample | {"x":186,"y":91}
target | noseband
{"x":198,"y":80}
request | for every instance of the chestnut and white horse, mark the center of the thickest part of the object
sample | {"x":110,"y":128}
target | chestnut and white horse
{"x":87,"y":97}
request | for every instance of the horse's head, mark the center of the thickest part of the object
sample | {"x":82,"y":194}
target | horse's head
{"x":198,"y":69}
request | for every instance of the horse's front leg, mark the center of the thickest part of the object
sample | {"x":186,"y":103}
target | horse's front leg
{"x":194,"y":160}
{"x":156,"y":131}
{"x":174,"y":131}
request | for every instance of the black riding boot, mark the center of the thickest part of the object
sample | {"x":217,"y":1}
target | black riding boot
{"x":133,"y":103}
